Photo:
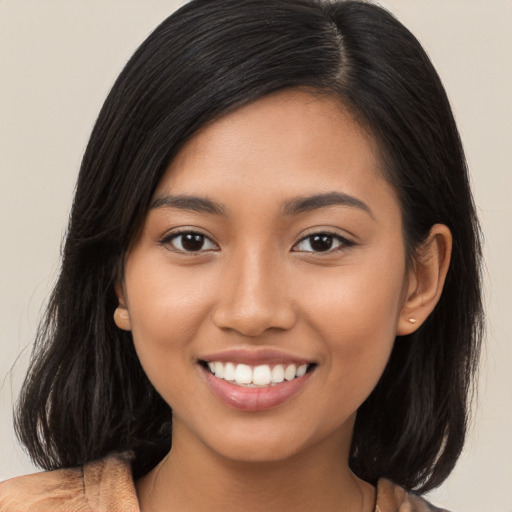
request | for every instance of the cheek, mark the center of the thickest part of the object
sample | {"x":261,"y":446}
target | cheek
{"x":167,"y":308}
{"x":161,"y":317}
{"x":356,"y":312}
{"x":164,"y":300}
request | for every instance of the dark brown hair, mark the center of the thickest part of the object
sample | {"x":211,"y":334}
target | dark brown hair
{"x":86,"y":393}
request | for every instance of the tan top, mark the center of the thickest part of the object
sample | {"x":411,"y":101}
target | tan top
{"x":107,"y":486}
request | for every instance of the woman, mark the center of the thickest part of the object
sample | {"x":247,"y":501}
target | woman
{"x":273,"y":237}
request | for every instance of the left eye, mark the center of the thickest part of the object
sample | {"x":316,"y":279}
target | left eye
{"x":190,"y":242}
{"x":321,"y":242}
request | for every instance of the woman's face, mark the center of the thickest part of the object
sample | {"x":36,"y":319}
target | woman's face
{"x":273,"y":242}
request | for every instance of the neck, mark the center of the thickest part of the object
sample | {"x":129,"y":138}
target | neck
{"x":194,"y":478}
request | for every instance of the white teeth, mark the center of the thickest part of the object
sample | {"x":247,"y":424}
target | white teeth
{"x":301,"y":370}
{"x":278,"y":374}
{"x":243,"y":374}
{"x":219,"y":370}
{"x":259,"y":376}
{"x":229,"y":371}
{"x":262,"y":376}
{"x":290,"y":372}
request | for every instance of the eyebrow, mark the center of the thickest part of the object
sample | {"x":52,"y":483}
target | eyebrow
{"x":191,"y":203}
{"x":318,"y":201}
{"x":291,"y":207}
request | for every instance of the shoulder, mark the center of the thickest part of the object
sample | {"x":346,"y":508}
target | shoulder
{"x":104,"y":485}
{"x":393,"y":498}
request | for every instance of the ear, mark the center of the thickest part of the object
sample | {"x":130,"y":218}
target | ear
{"x":426,"y":279}
{"x":121,"y":314}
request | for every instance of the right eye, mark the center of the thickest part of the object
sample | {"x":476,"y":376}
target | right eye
{"x":189,"y":241}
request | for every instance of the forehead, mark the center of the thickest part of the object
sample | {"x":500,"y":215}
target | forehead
{"x":290,"y":142}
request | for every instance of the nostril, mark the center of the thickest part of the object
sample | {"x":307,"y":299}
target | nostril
{"x":254,"y":320}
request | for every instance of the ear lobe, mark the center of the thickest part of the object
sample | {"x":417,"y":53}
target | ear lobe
{"x":121,"y":314}
{"x":426,"y":279}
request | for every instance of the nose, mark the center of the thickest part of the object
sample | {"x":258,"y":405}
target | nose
{"x":254,"y":297}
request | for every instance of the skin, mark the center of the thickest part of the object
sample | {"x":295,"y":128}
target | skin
{"x":258,"y":283}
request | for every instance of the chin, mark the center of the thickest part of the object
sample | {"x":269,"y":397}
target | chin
{"x":258,"y":454}
{"x":256,"y":446}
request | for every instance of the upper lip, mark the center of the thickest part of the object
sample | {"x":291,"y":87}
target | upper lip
{"x":253,"y":357}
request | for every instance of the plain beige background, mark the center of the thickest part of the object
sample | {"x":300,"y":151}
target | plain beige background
{"x":58,"y":59}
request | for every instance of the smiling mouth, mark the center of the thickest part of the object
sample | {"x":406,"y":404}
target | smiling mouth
{"x":260,"y":376}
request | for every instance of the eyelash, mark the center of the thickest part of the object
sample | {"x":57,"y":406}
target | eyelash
{"x":343,"y":242}
{"x":167,"y":240}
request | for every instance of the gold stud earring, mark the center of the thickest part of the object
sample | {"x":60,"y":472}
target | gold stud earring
{"x":412,"y":320}
{"x":121,"y":313}
{"x":122,"y":318}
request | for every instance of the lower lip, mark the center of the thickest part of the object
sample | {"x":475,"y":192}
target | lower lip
{"x":254,"y":399}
